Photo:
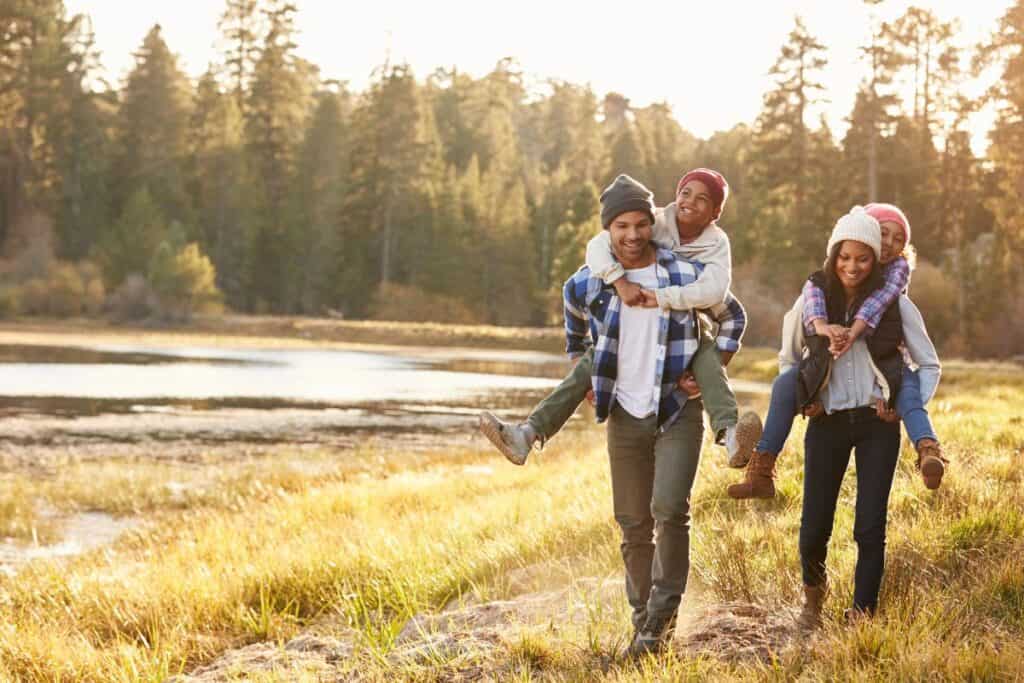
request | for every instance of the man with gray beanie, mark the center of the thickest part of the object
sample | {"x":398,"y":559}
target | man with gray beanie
{"x":654,"y":428}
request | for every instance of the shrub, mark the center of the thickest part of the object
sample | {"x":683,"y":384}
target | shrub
{"x":64,"y":291}
{"x":10,"y":302}
{"x":935,"y":292}
{"x":406,"y":303}
{"x":184,"y":281}
{"x":133,"y":300}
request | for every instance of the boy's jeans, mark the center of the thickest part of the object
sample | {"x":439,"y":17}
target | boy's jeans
{"x":556,"y":408}
{"x":782,"y":410}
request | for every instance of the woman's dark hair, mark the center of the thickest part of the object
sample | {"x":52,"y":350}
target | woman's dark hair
{"x":873,"y":281}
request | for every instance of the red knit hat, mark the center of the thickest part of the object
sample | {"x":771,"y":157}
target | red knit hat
{"x":715,"y":182}
{"x":889,"y":212}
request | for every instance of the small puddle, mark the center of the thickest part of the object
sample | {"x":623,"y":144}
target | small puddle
{"x":82,"y":532}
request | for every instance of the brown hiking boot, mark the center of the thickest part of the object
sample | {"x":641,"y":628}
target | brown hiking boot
{"x":814,"y":601}
{"x":930,"y":462}
{"x":741,"y":439}
{"x":759,"y":478}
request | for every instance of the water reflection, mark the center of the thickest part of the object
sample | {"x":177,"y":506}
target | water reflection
{"x":35,"y":376}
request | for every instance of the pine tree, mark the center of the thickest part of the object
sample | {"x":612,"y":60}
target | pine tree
{"x":782,"y":154}
{"x":322,"y":173}
{"x":242,"y":29}
{"x":217,"y":183}
{"x":152,"y":131}
{"x":275,"y":114}
{"x":40,"y":58}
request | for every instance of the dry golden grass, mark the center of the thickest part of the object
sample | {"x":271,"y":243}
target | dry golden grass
{"x":270,"y":548}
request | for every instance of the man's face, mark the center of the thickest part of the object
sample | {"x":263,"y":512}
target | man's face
{"x":631,"y":234}
{"x":694,"y":206}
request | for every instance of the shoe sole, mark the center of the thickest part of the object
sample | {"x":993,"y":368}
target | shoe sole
{"x":932,"y":471}
{"x":491,"y":428}
{"x":748,"y":433}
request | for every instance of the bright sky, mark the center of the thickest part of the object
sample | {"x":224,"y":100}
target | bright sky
{"x":709,"y":61}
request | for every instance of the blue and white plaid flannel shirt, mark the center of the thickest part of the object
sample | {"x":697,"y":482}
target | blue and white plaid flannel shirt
{"x":589,"y":301}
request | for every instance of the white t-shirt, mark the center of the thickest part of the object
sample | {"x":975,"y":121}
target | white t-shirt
{"x":635,"y":389}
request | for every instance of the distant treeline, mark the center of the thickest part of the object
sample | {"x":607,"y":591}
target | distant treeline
{"x":464,"y":199}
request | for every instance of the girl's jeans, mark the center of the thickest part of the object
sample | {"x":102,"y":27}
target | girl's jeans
{"x":782,"y":409}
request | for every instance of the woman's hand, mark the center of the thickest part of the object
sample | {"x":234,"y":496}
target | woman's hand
{"x":885,"y":413}
{"x":814,"y":410}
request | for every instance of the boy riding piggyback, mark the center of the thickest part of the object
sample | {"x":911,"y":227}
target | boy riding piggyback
{"x":688,"y":227}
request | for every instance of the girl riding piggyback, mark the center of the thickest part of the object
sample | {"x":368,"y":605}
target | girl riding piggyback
{"x":790,"y":390}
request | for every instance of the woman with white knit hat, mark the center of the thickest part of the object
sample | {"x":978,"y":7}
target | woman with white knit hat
{"x":851,"y":399}
{"x":897,"y":261}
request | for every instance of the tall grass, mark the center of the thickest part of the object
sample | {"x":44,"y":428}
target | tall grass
{"x":365,"y":549}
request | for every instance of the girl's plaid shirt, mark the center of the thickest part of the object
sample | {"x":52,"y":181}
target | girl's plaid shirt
{"x":588,"y":301}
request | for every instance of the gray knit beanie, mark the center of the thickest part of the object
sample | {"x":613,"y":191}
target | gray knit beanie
{"x":625,"y":194}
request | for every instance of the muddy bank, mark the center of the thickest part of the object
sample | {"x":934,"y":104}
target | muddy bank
{"x":182,"y":433}
{"x":476,"y":641}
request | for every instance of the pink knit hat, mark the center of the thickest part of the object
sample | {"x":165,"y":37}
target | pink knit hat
{"x":889,"y":212}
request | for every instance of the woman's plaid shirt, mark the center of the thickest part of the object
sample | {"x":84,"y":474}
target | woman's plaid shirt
{"x":589,"y":301}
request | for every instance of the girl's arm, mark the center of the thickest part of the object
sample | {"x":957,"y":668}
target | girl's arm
{"x":870,"y":312}
{"x":815,"y":317}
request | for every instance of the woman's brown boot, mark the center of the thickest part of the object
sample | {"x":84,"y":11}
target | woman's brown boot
{"x":759,"y":478}
{"x":814,"y":600}
{"x":930,"y":462}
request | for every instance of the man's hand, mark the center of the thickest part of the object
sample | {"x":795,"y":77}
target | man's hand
{"x":688,"y":383}
{"x":725,"y":357}
{"x":630,"y":292}
{"x":885,"y":413}
{"x":814,"y":410}
{"x":650,"y":299}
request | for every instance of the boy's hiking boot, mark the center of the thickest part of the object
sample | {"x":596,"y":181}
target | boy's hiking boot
{"x":758,"y":480}
{"x":814,"y":601}
{"x":653,"y":636}
{"x":513,"y":440}
{"x":740,"y":439}
{"x":931,"y":462}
